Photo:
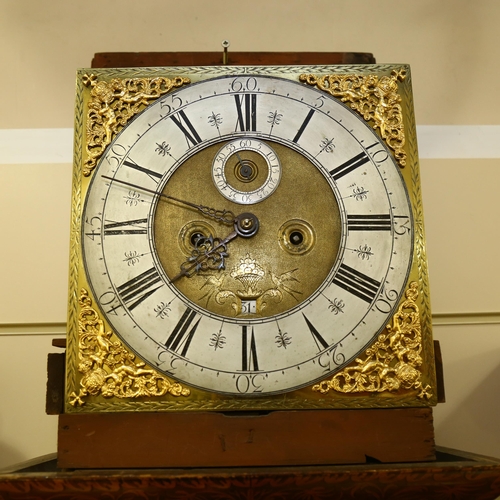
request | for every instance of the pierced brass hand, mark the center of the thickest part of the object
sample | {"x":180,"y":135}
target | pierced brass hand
{"x":225,"y":216}
{"x":210,"y":253}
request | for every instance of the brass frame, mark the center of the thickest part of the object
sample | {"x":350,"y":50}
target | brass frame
{"x":106,"y":100}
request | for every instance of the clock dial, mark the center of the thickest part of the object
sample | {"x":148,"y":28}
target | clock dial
{"x":246,"y":171}
{"x":321,"y":267}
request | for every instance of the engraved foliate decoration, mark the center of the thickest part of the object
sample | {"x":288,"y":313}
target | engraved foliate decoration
{"x":253,"y":287}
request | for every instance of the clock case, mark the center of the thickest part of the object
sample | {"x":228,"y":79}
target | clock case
{"x":363,"y":383}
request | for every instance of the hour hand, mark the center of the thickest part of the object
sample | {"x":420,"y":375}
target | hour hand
{"x":209,"y":253}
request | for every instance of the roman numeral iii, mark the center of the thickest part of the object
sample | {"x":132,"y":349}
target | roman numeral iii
{"x":369,"y":222}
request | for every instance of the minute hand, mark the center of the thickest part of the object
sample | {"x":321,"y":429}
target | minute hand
{"x":224,"y":216}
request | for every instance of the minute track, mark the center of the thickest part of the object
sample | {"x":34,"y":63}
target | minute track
{"x":278,"y":285}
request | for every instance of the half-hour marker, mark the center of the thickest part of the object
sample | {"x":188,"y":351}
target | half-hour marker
{"x":303,"y":126}
{"x":249,"y":359}
{"x":369,"y":222}
{"x":180,"y":338}
{"x":182,"y":121}
{"x":349,"y":166}
{"x":136,"y":226}
{"x":356,"y":283}
{"x":246,"y":107}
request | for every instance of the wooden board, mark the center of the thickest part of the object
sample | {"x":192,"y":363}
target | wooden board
{"x":455,"y":475}
{"x":144,"y":59}
{"x":191,"y":439}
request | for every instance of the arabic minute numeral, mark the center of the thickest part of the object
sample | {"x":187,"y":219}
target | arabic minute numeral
{"x":402,"y":225}
{"x":326,"y":359}
{"x":386,"y":300}
{"x":95,"y":225}
{"x":243,"y":84}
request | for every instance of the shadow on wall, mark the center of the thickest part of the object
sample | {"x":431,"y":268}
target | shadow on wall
{"x":9,"y":456}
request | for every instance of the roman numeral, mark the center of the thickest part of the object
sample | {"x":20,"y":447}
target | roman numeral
{"x":320,"y":341}
{"x":138,"y":289}
{"x":349,"y":166}
{"x":136,"y":226}
{"x":150,"y":173}
{"x":246,"y":107}
{"x":377,"y":222}
{"x":359,"y":284}
{"x":192,"y":137}
{"x":303,"y":126}
{"x":181,"y":335}
{"x":249,"y":359}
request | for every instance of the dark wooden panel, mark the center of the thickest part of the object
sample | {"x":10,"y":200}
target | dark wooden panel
{"x":439,"y":372}
{"x":54,"y":398}
{"x":190,"y":439}
{"x":144,"y":59}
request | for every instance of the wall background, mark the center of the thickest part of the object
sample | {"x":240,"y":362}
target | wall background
{"x":453,"y":49}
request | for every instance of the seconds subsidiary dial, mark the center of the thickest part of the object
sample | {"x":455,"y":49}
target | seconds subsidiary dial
{"x":247,"y":235}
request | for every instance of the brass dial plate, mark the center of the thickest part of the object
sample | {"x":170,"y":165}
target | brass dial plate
{"x":251,"y":300}
{"x":224,"y":292}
